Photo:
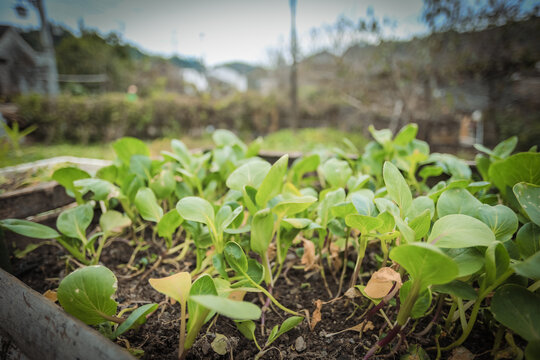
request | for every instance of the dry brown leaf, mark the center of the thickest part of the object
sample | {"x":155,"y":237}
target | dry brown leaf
{"x":271,"y":251}
{"x":334,"y":255}
{"x":309,"y":259}
{"x":237,"y":295}
{"x":51,"y":295}
{"x":461,"y":353}
{"x":381,"y":282}
{"x":316,"y":314}
{"x":353,"y":293}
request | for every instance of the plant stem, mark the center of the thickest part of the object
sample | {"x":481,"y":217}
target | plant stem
{"x":450,"y":315}
{"x":95,"y":260}
{"x":481,"y":296}
{"x":265,"y":292}
{"x":345,"y":255}
{"x":267,"y":269}
{"x":360,"y":256}
{"x":406,"y":308}
{"x":181,"y":342}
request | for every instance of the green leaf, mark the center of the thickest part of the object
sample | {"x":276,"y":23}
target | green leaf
{"x":336,"y":172}
{"x":197,"y":209}
{"x":141,"y":165}
{"x":387,"y":205}
{"x":273,"y":181}
{"x":29,"y":228}
{"x":497,"y":261}
{"x":388,"y":224}
{"x":528,"y":240}
{"x":528,"y":196}
{"x":457,"y":201}
{"x":176,"y":286}
{"x":469,"y":260}
{"x":262,"y":225}
{"x":421,"y":224}
{"x":287,"y":325}
{"x":247,"y":328}
{"x":364,"y":204}
{"x":66,"y":176}
{"x":101,"y":189}
{"x":419,"y":205}
{"x":223,"y":222}
{"x":113,"y":222}
{"x":147,"y":205}
{"x":430,"y":171}
{"x":169,"y":223}
{"x":482,"y":164}
{"x":405,"y":230}
{"x":500,"y":219}
{"x":237,"y":310}
{"x":330,"y":199}
{"x":163,"y":184}
{"x":87,"y":294}
{"x":530,"y":267}
{"x":126,"y":147}
{"x":457,"y":288}
{"x":406,"y":134}
{"x":204,"y":285}
{"x":304,"y":165}
{"x":521,"y":167}
{"x":235,"y":257}
{"x":505,"y":148}
{"x":425,"y":263}
{"x":458,"y":231}
{"x":223,"y":137}
{"x":74,"y":222}
{"x":422,"y":303}
{"x":251,"y":173}
{"x":365,"y":224}
{"x":518,"y":309}
{"x":294,"y":205}
{"x":383,"y":136}
{"x":397,"y":186}
{"x":135,"y":319}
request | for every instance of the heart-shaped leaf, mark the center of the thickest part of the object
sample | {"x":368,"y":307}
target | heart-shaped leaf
{"x":528,"y":196}
{"x":197,"y":209}
{"x":113,"y":222}
{"x":251,"y":173}
{"x":425,"y":263}
{"x":457,"y":201}
{"x":74,"y":222}
{"x":518,"y":309}
{"x":459,"y":231}
{"x":500,"y":219}
{"x":176,"y":286}
{"x":87,"y":294}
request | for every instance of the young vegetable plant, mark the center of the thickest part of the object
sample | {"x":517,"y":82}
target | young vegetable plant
{"x":201,"y":300}
{"x":247,"y":328}
{"x":87,"y":293}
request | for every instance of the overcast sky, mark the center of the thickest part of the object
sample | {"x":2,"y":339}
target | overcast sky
{"x":217,"y":30}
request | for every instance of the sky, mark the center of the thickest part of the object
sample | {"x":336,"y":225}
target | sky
{"x":218,"y":31}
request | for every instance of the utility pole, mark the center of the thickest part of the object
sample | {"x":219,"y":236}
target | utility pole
{"x":294,"y":73}
{"x":48,"y":50}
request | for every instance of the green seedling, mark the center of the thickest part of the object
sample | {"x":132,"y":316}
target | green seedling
{"x":427,"y":265}
{"x":72,"y":225}
{"x":247,"y":328}
{"x":250,"y":270}
{"x":15,"y":135}
{"x":201,"y":301}
{"x":87,"y":294}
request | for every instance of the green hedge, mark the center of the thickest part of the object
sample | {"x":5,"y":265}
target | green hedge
{"x":106,"y":117}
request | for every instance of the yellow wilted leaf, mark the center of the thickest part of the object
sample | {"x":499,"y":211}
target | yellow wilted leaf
{"x":237,"y":295}
{"x":51,"y":295}
{"x":309,"y":257}
{"x":381,"y":281}
{"x":316,"y":314}
{"x":176,"y":286}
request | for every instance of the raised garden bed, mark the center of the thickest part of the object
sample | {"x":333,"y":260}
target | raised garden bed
{"x":447,"y":258}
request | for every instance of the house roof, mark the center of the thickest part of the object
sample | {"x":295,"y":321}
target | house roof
{"x":12,"y":42}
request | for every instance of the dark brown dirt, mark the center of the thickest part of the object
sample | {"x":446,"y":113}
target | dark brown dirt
{"x":158,"y":338}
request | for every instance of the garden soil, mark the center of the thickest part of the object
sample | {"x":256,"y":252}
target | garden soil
{"x":299,"y":290}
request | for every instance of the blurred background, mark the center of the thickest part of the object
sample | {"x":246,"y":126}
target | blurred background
{"x":75,"y":75}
